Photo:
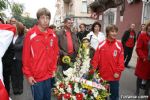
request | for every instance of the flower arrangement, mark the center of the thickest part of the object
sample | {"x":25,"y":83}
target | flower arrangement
{"x":82,"y":82}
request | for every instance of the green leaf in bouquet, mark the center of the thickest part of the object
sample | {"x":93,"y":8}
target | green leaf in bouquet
{"x":59,"y":76}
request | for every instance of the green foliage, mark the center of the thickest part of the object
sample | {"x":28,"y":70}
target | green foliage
{"x":3,"y":5}
{"x":17,"y":8}
{"x":27,"y":21}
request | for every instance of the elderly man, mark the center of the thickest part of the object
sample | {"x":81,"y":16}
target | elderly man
{"x":128,"y":41}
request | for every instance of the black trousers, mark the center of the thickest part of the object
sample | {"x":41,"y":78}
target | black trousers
{"x":7,"y":74}
{"x":146,"y":88}
{"x":17,"y":76}
{"x":127,"y":55}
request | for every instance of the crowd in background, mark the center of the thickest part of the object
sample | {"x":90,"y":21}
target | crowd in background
{"x":44,"y":46}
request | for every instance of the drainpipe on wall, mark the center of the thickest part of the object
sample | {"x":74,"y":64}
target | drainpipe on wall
{"x":143,"y":12}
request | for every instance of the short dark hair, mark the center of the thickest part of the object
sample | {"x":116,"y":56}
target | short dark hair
{"x":66,"y":19}
{"x":111,"y":27}
{"x":52,"y":26}
{"x":43,"y":11}
{"x":82,"y":24}
{"x":2,"y":20}
{"x":94,"y":24}
{"x":85,"y":38}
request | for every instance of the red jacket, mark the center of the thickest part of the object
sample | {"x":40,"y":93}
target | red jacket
{"x":40,"y":52}
{"x":109,"y":59}
{"x":143,"y":67}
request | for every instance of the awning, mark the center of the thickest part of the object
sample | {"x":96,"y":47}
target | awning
{"x":102,"y":5}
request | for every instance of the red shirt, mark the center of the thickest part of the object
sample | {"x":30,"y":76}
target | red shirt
{"x":69,"y":42}
{"x":40,"y":52}
{"x":109,"y":59}
{"x":130,"y":41}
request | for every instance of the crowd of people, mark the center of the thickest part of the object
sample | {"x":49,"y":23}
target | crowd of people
{"x":37,"y":54}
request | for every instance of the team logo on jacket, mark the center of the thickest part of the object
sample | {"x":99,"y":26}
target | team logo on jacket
{"x":115,"y":53}
{"x":51,"y":42}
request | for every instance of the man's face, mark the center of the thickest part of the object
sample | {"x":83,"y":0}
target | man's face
{"x":143,"y":27}
{"x":112,"y":34}
{"x":13,"y":21}
{"x":68,"y":24}
{"x":132,"y":26}
{"x":82,"y":28}
{"x":43,"y":21}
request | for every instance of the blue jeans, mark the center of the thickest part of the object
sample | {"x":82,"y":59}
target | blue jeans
{"x":42,"y":90}
{"x":114,"y":90}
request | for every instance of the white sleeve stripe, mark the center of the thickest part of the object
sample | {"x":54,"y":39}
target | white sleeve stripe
{"x":32,"y":51}
{"x":118,"y":46}
{"x":32,"y":36}
{"x":54,"y":35}
{"x":102,"y":44}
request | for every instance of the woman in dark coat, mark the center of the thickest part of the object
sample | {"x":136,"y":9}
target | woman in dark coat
{"x":17,"y":74}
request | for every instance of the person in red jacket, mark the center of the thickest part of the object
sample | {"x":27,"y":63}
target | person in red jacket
{"x":142,"y":70}
{"x":109,"y":60}
{"x":40,"y":53}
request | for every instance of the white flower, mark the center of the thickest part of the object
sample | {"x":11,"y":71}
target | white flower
{"x":69,"y":89}
{"x":95,"y":92}
{"x":76,"y":88}
{"x":62,"y":90}
{"x":74,"y":97}
{"x":69,"y":72}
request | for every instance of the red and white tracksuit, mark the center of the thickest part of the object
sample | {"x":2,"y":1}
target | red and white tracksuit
{"x":109,"y":59}
{"x":40,"y":53}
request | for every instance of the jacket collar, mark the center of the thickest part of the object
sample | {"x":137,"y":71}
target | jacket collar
{"x":49,"y":31}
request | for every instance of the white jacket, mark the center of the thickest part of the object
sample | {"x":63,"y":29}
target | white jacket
{"x":95,"y":40}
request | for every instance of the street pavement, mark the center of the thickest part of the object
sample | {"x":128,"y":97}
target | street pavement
{"x":127,"y":85}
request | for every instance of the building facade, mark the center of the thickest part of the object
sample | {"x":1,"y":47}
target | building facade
{"x":77,"y":10}
{"x":121,"y":13}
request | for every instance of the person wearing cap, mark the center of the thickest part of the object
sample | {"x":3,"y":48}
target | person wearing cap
{"x":68,"y":43}
{"x":109,"y":60}
{"x":86,"y":45}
